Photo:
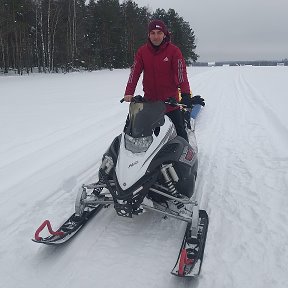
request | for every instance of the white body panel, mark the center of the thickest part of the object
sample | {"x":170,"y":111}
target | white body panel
{"x":130,"y":166}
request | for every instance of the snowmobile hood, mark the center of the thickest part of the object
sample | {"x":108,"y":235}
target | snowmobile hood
{"x":131,"y":166}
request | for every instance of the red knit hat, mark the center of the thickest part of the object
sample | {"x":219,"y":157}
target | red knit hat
{"x":157,"y":25}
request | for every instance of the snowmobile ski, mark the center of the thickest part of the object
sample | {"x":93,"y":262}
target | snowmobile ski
{"x":67,"y":230}
{"x":190,"y":256}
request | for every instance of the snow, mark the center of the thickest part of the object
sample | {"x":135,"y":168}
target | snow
{"x":54,"y":130}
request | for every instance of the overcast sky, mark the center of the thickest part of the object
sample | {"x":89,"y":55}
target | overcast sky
{"x":233,"y":29}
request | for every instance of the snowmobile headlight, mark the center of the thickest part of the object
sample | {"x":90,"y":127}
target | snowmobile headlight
{"x":138,"y":145}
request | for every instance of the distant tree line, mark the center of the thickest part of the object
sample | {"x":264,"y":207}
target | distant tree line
{"x":64,"y":35}
{"x":283,"y":62}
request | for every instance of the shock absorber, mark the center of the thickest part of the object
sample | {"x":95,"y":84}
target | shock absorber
{"x":170,"y":174}
{"x":168,"y":178}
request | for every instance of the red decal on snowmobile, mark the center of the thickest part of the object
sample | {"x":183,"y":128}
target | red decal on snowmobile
{"x":189,"y":155}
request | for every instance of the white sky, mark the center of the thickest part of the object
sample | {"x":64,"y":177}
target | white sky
{"x":233,"y":29}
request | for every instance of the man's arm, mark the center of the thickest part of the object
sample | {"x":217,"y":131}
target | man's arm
{"x":135,"y":73}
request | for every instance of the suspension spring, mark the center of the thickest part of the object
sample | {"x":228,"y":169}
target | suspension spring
{"x":170,"y":174}
{"x":168,"y":178}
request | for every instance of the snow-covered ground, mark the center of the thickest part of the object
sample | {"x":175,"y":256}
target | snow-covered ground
{"x":54,"y":130}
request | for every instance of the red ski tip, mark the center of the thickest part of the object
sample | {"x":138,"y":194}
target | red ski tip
{"x":184,"y":260}
{"x":51,"y":231}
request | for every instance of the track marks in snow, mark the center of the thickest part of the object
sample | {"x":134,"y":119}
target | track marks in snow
{"x":239,"y":175}
{"x":60,"y":193}
{"x":121,"y":246}
{"x":267,"y":118}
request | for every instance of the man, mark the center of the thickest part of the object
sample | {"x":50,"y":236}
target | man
{"x":164,"y":71}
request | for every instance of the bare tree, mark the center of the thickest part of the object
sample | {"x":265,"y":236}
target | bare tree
{"x":3,"y":53}
{"x":54,"y":29}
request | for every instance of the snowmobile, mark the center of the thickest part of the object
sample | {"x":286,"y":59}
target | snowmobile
{"x":147,"y":167}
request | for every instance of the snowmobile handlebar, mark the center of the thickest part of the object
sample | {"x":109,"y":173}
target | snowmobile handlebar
{"x":135,"y":99}
{"x":170,"y":101}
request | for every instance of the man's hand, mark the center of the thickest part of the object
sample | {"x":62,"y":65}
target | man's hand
{"x":189,"y":102}
{"x":128,"y":98}
{"x":198,"y":100}
{"x":186,"y":100}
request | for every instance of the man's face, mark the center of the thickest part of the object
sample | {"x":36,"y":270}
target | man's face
{"x":156,"y":37}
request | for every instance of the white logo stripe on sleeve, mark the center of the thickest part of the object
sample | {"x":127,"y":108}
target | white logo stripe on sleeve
{"x":180,"y":71}
{"x":132,"y":72}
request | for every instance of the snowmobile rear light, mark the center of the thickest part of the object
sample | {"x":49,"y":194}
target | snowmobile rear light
{"x":138,"y":145}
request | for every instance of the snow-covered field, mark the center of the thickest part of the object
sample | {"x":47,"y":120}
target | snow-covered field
{"x":54,"y":130}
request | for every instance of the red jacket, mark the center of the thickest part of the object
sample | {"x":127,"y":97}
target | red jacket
{"x":164,"y":71}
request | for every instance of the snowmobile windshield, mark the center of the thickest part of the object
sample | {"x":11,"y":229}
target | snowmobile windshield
{"x":144,"y":118}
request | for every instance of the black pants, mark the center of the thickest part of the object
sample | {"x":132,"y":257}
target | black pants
{"x":176,"y":117}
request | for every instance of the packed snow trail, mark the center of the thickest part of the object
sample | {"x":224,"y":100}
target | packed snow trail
{"x":243,"y":172}
{"x":53,"y":141}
